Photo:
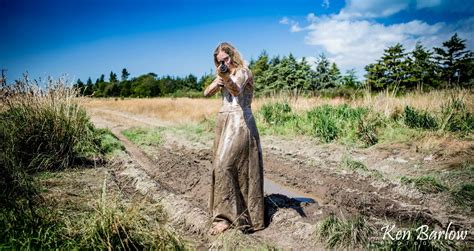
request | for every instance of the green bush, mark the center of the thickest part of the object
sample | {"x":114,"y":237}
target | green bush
{"x":40,"y":129}
{"x":277,"y":113}
{"x":456,"y":117}
{"x":332,"y":122}
{"x":418,"y":119}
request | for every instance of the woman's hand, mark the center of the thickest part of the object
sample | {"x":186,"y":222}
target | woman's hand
{"x":224,"y":75}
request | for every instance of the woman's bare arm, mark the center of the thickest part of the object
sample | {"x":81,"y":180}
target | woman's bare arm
{"x":213,"y":88}
{"x":236,"y":87}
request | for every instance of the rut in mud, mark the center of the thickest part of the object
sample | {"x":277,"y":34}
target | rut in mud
{"x":182,"y":168}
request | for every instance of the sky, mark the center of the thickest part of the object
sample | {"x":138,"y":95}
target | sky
{"x":78,"y":39}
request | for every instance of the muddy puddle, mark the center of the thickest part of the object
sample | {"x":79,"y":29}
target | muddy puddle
{"x":271,"y":187}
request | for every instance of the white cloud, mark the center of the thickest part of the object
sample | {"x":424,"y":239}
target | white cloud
{"x":325,"y":4}
{"x":373,"y":8}
{"x":353,"y":40}
{"x":356,"y":43}
{"x":284,"y":20}
{"x":385,"y":8}
{"x":295,"y":27}
{"x":420,"y":4}
{"x":311,"y":17}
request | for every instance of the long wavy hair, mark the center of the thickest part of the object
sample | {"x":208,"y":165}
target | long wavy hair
{"x":233,"y":54}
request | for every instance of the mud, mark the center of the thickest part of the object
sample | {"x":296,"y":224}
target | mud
{"x":181,"y":167}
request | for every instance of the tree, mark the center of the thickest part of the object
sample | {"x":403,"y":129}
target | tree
{"x":335,"y":75}
{"x":395,"y":67}
{"x":125,"y":74}
{"x":375,"y":76}
{"x":350,"y":79}
{"x":421,"y":68}
{"x":89,"y":89}
{"x":323,"y":77}
{"x":205,"y":81}
{"x":113,"y":77}
{"x":455,"y":61}
{"x":79,"y":86}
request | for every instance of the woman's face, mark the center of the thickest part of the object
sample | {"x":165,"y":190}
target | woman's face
{"x":224,"y":57}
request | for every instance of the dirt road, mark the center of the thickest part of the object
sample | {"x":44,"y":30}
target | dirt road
{"x":305,"y":182}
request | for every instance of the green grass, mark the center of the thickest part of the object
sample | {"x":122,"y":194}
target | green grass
{"x":455,"y":117}
{"x":145,"y":136}
{"x":425,"y":184}
{"x":361,"y":125}
{"x":354,"y":165}
{"x":109,"y":224}
{"x":419,"y":119}
{"x":464,"y":195}
{"x":42,"y":131}
{"x":109,"y":144}
{"x":328,"y":123}
{"x":341,"y":233}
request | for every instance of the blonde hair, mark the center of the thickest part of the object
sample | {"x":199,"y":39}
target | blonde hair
{"x":233,"y":54}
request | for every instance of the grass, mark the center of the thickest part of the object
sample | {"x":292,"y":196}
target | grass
{"x":46,"y":130}
{"x":138,"y":226}
{"x":194,"y":110}
{"x":145,"y":137}
{"x":234,"y":239}
{"x":419,"y":119}
{"x":351,"y":164}
{"x":109,"y":144}
{"x":110,"y":223}
{"x":42,"y":129}
{"x":364,"y":121}
{"x":425,"y":184}
{"x":341,"y":233}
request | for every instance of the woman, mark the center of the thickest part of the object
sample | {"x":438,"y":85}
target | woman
{"x":236,"y":198}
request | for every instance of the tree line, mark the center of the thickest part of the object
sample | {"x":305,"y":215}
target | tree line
{"x":397,"y":70}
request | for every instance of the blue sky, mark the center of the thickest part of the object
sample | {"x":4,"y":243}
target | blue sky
{"x":82,"y":38}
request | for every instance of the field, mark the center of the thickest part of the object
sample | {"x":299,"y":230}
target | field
{"x":338,"y":173}
{"x":409,"y":177}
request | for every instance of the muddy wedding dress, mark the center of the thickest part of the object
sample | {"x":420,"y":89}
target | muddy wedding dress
{"x":237,"y":177}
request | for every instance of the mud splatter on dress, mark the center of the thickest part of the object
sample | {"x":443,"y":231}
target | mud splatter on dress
{"x":237,"y":176}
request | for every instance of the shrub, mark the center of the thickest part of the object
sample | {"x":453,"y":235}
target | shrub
{"x":331,"y":122}
{"x":418,"y":119}
{"x":40,"y":129}
{"x":367,"y":130}
{"x":277,"y":113}
{"x":456,"y":117}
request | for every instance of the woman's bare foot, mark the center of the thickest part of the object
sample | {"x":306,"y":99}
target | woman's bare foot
{"x":218,"y":227}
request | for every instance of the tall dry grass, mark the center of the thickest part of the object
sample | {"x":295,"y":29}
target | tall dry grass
{"x":184,"y":110}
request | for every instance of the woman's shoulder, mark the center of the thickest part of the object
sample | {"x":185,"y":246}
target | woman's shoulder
{"x":243,"y":72}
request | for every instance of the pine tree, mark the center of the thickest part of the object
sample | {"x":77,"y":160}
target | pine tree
{"x":113,"y":77}
{"x":455,"y":61}
{"x":421,"y":68}
{"x":125,"y":74}
{"x":350,"y":79}
{"x":323,"y":77}
{"x":395,"y":67}
{"x":89,"y":90}
{"x":334,"y":75}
